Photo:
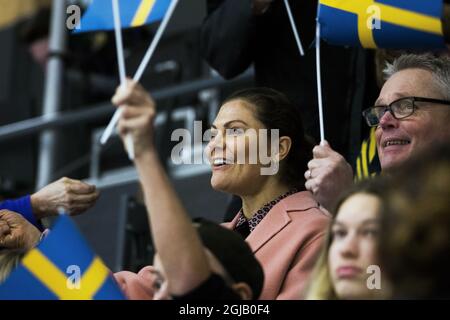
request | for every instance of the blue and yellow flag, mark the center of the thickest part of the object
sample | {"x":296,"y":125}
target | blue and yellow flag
{"x":133,"y":13}
{"x":61,"y":267}
{"x":400,"y":24}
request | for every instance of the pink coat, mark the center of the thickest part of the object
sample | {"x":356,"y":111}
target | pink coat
{"x":286,"y":243}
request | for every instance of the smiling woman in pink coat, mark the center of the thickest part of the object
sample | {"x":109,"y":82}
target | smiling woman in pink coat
{"x":258,"y":151}
{"x":279,"y":219}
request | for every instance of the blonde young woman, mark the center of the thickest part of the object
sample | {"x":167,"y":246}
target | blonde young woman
{"x":349,"y":262}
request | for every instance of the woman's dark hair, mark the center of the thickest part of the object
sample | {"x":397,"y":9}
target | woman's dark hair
{"x":275,"y":111}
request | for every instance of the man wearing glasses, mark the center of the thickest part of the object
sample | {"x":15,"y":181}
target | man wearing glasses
{"x":411,"y":113}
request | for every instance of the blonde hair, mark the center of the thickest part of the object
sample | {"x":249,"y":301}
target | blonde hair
{"x":9,"y":260}
{"x":321,"y":286}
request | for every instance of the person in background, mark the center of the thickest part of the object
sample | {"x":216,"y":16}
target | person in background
{"x":415,"y":230}
{"x":351,"y":248}
{"x":411,"y":113}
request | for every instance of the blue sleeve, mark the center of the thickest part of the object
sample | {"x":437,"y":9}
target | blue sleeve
{"x":22,"y":206}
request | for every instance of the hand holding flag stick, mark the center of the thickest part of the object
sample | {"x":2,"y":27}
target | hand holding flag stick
{"x":116,"y":117}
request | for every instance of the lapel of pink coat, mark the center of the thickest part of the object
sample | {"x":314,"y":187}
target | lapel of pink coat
{"x":277,"y":218}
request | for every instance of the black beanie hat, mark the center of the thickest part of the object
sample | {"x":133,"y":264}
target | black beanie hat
{"x":233,"y":253}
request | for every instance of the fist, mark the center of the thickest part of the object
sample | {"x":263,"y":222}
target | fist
{"x":16,"y":232}
{"x":139,"y":111}
{"x":328,"y":175}
{"x":73,"y":196}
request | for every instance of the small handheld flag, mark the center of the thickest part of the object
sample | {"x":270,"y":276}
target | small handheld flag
{"x":400,"y":24}
{"x":133,"y":13}
{"x":61,"y":267}
{"x":166,"y":15}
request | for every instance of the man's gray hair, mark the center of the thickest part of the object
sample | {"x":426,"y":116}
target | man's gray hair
{"x":439,"y":67}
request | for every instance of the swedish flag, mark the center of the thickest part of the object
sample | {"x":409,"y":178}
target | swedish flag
{"x":133,"y":13}
{"x":398,"y":24}
{"x":61,"y":267}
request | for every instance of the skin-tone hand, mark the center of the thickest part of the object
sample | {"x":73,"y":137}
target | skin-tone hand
{"x":261,"y":6}
{"x":17,"y":232}
{"x":73,"y":196}
{"x":139,"y":111}
{"x":328,"y":175}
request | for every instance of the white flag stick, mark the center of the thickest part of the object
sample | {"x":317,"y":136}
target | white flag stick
{"x":155,"y":41}
{"x":294,"y":28}
{"x":121,"y":62}
{"x":319,"y":83}
{"x":122,"y":73}
{"x":111,"y":126}
{"x":119,"y":44}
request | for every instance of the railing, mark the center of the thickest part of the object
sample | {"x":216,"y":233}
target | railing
{"x":36,"y":125}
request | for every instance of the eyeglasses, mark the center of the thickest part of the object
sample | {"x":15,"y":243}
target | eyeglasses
{"x":399,"y":109}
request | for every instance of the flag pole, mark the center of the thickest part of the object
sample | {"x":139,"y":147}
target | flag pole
{"x":116,"y":117}
{"x":294,"y":28}
{"x":119,"y":43}
{"x":155,"y":41}
{"x":319,"y":83}
{"x":48,"y":139}
{"x":122,"y":73}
